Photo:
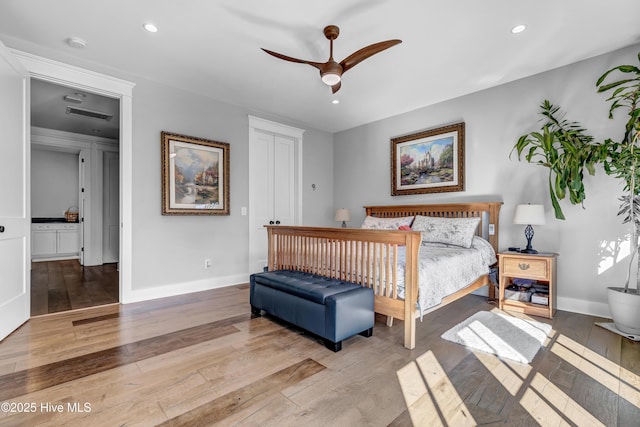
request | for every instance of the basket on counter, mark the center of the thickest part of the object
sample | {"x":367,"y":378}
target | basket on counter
{"x":71,"y":214}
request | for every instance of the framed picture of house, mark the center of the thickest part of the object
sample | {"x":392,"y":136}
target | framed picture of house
{"x":430,"y":161}
{"x":195,"y":175}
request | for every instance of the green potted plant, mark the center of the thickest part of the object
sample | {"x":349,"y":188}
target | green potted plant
{"x":623,"y":161}
{"x":567,"y":151}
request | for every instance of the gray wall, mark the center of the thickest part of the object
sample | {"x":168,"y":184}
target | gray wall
{"x":591,"y":242}
{"x":54,"y":183}
{"x":351,"y":169}
{"x":169,"y":250}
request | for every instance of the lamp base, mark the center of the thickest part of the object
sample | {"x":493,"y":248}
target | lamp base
{"x":528,"y":233}
{"x":528,"y":251}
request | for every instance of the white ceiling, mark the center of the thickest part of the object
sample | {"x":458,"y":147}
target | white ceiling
{"x":450,"y":48}
{"x":49,"y":110}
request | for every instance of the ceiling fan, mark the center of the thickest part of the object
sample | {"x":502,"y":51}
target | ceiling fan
{"x":331,"y":71}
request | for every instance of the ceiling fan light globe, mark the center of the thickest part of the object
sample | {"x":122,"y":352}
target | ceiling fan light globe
{"x":331,"y":79}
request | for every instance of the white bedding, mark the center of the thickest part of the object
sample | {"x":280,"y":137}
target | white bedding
{"x":445,"y":269}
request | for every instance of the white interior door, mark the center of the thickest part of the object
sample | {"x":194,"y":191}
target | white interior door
{"x":261,"y":198}
{"x":284,"y":184}
{"x":14,"y":184}
{"x":275,"y":183}
{"x":81,"y":201}
{"x":111,"y":206}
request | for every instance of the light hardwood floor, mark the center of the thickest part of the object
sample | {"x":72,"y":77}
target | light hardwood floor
{"x":202,"y":359}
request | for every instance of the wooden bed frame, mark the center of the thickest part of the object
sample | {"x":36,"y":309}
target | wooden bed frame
{"x":369,"y":257}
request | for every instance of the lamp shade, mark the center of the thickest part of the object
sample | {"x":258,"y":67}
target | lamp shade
{"x":343,"y":214}
{"x":529,"y":215}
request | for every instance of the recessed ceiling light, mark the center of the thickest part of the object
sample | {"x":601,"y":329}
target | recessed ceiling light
{"x":335,"y":101}
{"x":518,"y":28}
{"x":150,"y":27}
{"x":76,"y":42}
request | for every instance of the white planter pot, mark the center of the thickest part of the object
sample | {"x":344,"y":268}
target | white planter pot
{"x":625,"y":309}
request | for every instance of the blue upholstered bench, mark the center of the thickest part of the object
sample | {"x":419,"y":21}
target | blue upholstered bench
{"x":330,"y":308}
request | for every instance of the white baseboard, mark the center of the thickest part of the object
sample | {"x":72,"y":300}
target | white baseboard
{"x":574,"y":305}
{"x":137,"y":295}
{"x":41,"y":258}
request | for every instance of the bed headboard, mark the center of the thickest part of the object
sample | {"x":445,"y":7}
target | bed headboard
{"x":489,"y":213}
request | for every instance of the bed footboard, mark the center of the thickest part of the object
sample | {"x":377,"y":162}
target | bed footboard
{"x":370,"y":257}
{"x":365,"y":257}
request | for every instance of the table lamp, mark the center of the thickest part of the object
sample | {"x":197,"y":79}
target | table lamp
{"x":530,"y":215}
{"x":343,"y":215}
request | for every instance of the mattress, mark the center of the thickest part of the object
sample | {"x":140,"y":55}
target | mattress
{"x":445,"y":269}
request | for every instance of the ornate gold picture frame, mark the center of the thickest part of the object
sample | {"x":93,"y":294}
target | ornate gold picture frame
{"x":430,"y":161}
{"x":195,"y":175}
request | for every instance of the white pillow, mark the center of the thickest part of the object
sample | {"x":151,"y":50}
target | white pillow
{"x":373,"y":222}
{"x":453,"y":231}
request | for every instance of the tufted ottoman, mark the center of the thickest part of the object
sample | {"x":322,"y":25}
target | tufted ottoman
{"x":330,"y":308}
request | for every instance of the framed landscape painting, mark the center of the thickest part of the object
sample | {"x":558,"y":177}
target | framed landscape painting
{"x":195,"y":175}
{"x":430,"y":161}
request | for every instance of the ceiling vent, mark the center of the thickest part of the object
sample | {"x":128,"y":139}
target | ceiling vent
{"x":75,"y":111}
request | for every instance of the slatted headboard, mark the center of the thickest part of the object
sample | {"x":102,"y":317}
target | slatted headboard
{"x":489,"y":213}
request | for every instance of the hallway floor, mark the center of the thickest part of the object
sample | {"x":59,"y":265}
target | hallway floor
{"x":66,"y":285}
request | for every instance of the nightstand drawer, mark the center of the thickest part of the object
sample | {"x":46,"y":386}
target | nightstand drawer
{"x":527,"y":267}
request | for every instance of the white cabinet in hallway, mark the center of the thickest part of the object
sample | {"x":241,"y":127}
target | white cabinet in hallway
{"x":55,"y":241}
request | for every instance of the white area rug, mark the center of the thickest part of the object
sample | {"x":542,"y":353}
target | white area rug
{"x":505,"y":336}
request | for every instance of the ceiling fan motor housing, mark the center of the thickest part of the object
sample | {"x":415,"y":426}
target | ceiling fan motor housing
{"x":331,"y":71}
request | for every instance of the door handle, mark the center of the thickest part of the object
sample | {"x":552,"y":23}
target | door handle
{"x":277,"y":222}
{"x":523,"y":266}
{"x":1,"y":228}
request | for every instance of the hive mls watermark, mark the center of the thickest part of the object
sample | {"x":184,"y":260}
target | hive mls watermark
{"x":49,"y":407}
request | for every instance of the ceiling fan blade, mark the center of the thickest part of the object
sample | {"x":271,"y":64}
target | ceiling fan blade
{"x":317,"y":65}
{"x":360,"y":55}
{"x":336,"y":87}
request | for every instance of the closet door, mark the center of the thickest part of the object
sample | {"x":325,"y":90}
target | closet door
{"x":284,"y":168}
{"x":274,"y":187}
{"x":261,"y":203}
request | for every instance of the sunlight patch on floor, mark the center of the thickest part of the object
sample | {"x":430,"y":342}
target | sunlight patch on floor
{"x":430,"y":396}
{"x":507,"y":376}
{"x":432,"y":399}
{"x":611,"y":375}
{"x":547,"y":404}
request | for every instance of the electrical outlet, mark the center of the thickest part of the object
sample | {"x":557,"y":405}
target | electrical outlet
{"x":207,"y":263}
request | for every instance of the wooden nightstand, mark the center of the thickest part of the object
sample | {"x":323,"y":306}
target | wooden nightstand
{"x":539,"y":267}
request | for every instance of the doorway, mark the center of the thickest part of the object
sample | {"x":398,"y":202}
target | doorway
{"x":75,"y":200}
{"x":64,"y":74}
